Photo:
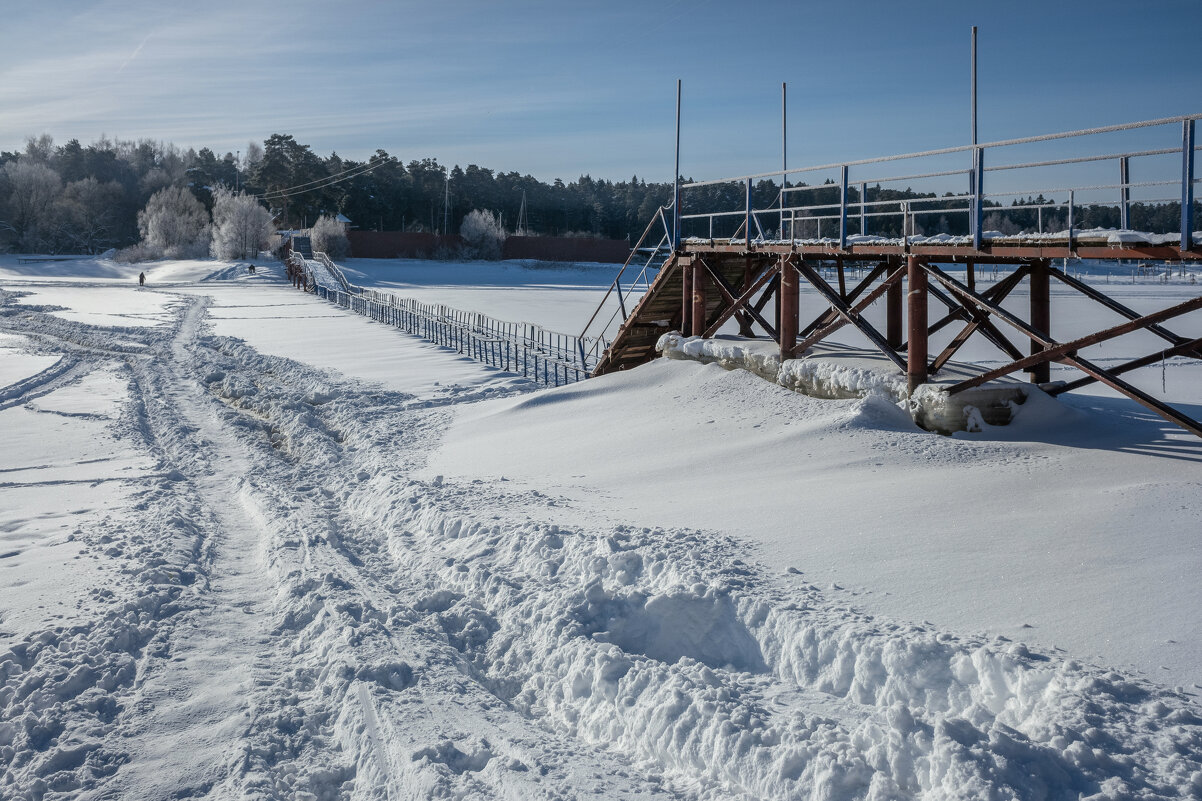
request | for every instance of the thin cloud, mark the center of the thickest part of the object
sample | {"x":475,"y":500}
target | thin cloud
{"x":134,"y":55}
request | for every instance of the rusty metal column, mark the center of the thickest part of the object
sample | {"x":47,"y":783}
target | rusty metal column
{"x":745,"y":329}
{"x":1041,"y":316}
{"x":893,"y":311}
{"x":790,"y":285}
{"x":916,"y":352}
{"x":686,"y":299}
{"x":698,"y":310}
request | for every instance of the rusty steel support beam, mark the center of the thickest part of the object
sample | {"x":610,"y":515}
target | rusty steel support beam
{"x":837,"y":303}
{"x":830,"y":315}
{"x":893,"y":315}
{"x":1053,"y":351}
{"x":743,"y":318}
{"x":1041,"y":317}
{"x":734,"y":304}
{"x":1119,"y":308}
{"x":699,"y":286}
{"x":916,"y":350}
{"x":978,"y":320}
{"x":1160,"y":355}
{"x":790,"y":289}
{"x":1084,"y":365}
{"x":686,"y":301}
{"x":892,"y":282}
{"x":842,"y":279}
{"x":971,"y":314}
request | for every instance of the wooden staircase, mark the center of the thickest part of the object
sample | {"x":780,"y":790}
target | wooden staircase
{"x":661,"y":309}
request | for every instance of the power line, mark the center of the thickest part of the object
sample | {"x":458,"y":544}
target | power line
{"x":329,"y":180}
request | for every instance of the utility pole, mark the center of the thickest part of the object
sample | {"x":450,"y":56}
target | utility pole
{"x":237,"y":171}
{"x":446,"y":207}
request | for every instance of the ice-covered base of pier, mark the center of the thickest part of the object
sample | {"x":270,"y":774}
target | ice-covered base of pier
{"x":840,"y":371}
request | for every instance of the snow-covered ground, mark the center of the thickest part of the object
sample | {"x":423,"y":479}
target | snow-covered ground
{"x":252,"y":545}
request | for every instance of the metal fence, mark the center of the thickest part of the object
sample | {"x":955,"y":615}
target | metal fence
{"x":545,"y":357}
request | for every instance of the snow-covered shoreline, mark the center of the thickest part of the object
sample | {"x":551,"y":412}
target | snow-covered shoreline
{"x":326,"y":558}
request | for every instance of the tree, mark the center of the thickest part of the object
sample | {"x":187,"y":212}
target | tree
{"x":482,"y":232}
{"x":241,"y":226}
{"x":329,"y":237}
{"x":88,"y":214}
{"x":33,"y":189}
{"x":174,"y":224}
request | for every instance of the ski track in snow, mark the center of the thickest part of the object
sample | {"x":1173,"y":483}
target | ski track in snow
{"x":293,"y":615}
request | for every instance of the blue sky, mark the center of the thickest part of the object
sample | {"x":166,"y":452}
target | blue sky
{"x":567,"y":88}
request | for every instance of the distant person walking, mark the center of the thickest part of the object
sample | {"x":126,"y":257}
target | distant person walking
{"x":251,"y":269}
{"x":141,"y":279}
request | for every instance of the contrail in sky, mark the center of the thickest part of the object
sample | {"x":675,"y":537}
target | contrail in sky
{"x":134,"y":54}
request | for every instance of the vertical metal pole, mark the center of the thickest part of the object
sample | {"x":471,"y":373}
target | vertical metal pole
{"x":974,"y":181}
{"x":843,"y":207}
{"x":676,"y":178}
{"x":973,"y":93}
{"x":1187,"y":186}
{"x":1041,"y":316}
{"x":784,"y":155}
{"x":863,"y":209}
{"x":747,"y":222}
{"x":916,"y":352}
{"x":1124,"y":193}
{"x":790,"y":285}
{"x":978,"y":206}
{"x":1071,"y":207}
{"x":893,"y":310}
{"x":698,"y":310}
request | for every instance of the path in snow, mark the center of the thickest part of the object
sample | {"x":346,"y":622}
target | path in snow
{"x":299,"y":608}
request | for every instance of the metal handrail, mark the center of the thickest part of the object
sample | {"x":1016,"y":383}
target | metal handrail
{"x":975,"y":196}
{"x":598,"y":340}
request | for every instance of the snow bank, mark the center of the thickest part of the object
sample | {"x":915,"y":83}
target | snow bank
{"x":829,"y":372}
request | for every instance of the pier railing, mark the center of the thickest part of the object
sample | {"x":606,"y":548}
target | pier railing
{"x":834,"y":203}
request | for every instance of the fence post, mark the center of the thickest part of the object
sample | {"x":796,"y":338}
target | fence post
{"x":747,"y":219}
{"x":1071,"y":206}
{"x":1187,"y":186}
{"x":1124,"y":194}
{"x":843,"y":207}
{"x":863,"y":209}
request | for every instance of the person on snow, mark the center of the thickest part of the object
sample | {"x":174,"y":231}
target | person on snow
{"x":251,"y":269}
{"x":141,"y":279}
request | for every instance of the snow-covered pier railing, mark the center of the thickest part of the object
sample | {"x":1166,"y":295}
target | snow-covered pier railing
{"x":545,"y":357}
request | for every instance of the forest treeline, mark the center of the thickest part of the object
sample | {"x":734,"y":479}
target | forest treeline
{"x":76,"y":198}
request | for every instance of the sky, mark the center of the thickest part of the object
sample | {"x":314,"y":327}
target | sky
{"x":562,"y":89}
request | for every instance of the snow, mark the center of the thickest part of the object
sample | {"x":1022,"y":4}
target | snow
{"x":262,"y":547}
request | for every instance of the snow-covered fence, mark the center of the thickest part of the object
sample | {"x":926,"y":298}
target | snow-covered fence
{"x":545,"y":357}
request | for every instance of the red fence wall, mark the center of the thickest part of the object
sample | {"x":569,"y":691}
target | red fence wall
{"x":402,"y":245}
{"x":557,"y":248}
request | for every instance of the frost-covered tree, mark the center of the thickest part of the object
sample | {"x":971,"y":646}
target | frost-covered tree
{"x":483,"y":233}
{"x":174,"y":224}
{"x":241,"y":226}
{"x":32,"y":189}
{"x":329,"y":236}
{"x":88,"y":215}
